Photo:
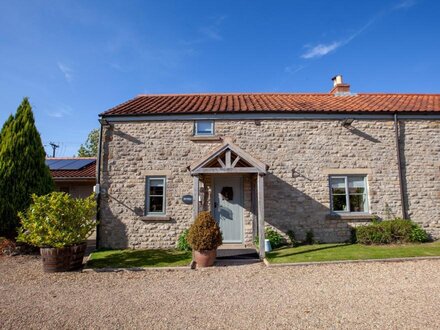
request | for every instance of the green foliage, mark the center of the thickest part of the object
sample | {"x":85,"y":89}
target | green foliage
{"x":274,"y":237}
{"x":391,"y":231}
{"x":310,"y":237}
{"x":204,"y":233}
{"x":23,"y":170}
{"x":292,"y":238}
{"x":182,"y":242}
{"x":90,"y":147}
{"x":57,"y":220}
{"x":418,"y":234}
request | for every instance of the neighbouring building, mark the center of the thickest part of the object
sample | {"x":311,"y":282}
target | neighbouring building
{"x":321,"y":162}
{"x":73,"y":175}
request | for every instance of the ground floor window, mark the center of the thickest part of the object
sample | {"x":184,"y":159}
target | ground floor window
{"x":155,"y":195}
{"x":349,"y":193}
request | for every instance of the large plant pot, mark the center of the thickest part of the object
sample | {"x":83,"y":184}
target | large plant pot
{"x":63,"y":259}
{"x":205,"y":258}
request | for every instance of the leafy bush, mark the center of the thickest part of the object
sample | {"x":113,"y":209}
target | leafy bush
{"x":310,"y":237}
{"x":275,"y":238}
{"x":419,"y":235}
{"x":204,"y":233}
{"x":182,"y":242}
{"x":292,"y":238}
{"x":57,"y":220}
{"x":391,"y":231}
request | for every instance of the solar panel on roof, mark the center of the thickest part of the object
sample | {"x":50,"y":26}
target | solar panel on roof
{"x":77,"y":164}
{"x":68,"y":164}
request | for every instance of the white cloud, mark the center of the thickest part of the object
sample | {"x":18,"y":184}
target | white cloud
{"x":60,"y":111}
{"x":324,"y":49}
{"x":293,"y":69}
{"x":212,"y":31}
{"x":321,"y":50}
{"x":66,"y":71}
{"x":405,"y":4}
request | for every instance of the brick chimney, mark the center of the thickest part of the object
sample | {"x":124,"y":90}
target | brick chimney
{"x":339,"y":87}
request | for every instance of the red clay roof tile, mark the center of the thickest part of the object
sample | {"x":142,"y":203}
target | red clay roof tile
{"x":245,"y":103}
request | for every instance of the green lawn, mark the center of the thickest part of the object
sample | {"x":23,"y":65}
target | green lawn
{"x":138,"y":258}
{"x":333,"y":252}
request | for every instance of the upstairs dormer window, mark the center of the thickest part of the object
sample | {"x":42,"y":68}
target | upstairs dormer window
{"x":204,"y":128}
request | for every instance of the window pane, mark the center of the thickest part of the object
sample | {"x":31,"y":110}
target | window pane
{"x":156,"y":191}
{"x":338,"y":185}
{"x":156,"y":183}
{"x":356,"y":184}
{"x":156,"y":204}
{"x":357,"y":203}
{"x":156,"y":187}
{"x":204,"y":127}
{"x":339,"y":203}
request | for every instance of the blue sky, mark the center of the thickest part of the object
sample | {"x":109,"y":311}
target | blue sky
{"x":75,"y":59}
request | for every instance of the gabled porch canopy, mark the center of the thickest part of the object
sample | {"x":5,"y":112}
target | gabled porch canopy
{"x":229,"y":158}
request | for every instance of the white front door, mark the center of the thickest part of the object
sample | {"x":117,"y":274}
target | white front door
{"x":228,"y":207}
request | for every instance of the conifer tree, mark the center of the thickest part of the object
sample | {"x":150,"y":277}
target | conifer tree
{"x":23,"y":170}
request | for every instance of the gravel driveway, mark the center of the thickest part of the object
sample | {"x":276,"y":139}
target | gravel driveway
{"x":373,"y":295}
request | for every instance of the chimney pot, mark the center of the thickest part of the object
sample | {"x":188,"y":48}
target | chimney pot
{"x":339,"y":88}
{"x":337,"y":80}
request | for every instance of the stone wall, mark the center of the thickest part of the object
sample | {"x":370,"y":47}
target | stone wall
{"x":300,"y":154}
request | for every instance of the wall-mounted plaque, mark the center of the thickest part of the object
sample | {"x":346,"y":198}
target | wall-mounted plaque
{"x":187,"y":199}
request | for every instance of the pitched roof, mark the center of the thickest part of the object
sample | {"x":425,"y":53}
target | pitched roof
{"x":284,"y":103}
{"x":88,"y":171}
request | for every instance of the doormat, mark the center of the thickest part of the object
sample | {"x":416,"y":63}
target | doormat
{"x":240,"y":254}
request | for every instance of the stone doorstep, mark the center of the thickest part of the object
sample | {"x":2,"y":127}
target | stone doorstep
{"x":314,"y":263}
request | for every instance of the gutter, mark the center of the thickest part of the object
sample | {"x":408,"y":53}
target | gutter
{"x":270,"y":116}
{"x":98,"y":184}
{"x":399,"y":166}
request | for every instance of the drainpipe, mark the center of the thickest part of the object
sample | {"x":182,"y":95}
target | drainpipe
{"x":399,"y":166}
{"x":98,"y":185}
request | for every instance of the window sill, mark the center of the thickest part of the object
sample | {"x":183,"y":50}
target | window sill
{"x":349,"y":216}
{"x":207,"y":138}
{"x":156,"y":218}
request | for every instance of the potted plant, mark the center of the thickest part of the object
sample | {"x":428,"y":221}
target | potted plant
{"x":59,"y":225}
{"x":204,"y":237}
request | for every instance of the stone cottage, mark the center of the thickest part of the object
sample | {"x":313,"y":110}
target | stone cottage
{"x":321,"y":162}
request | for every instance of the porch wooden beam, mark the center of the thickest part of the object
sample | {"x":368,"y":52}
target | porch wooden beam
{"x":218,"y":170}
{"x":196,"y":184}
{"x":260,"y":198}
{"x":228,"y":158}
{"x":236,"y":160}
{"x":221,"y":162}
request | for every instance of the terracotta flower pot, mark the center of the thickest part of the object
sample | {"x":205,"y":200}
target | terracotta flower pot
{"x":63,"y":259}
{"x":205,"y":258}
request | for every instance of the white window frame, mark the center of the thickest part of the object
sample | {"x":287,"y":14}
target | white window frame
{"x":347,"y":194}
{"x":197,"y":133}
{"x":147,"y":194}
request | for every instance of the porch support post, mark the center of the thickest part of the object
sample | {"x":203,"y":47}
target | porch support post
{"x":196,"y":183}
{"x":260,"y":198}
